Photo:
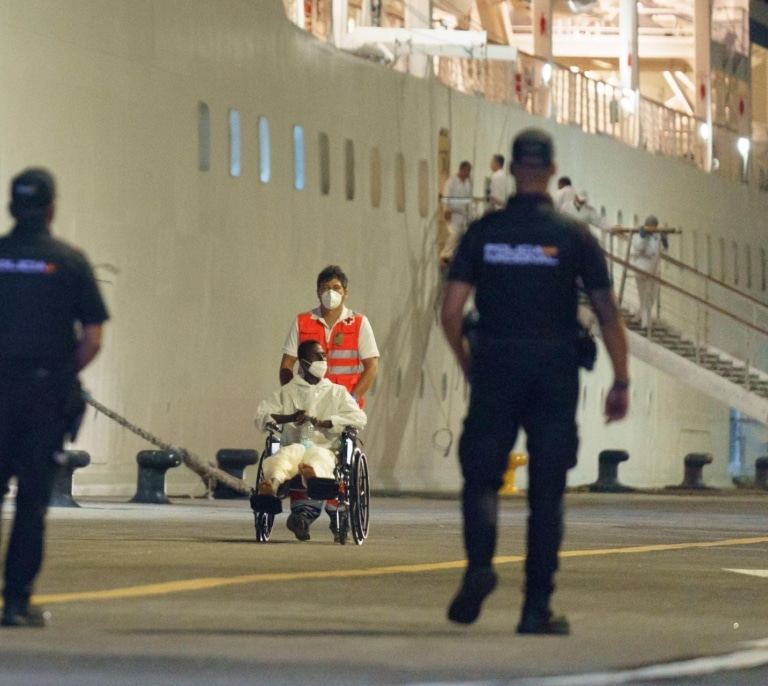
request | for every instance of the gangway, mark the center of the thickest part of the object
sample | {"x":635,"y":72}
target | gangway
{"x":708,"y":334}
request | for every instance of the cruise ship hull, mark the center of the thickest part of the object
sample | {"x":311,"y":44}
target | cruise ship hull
{"x":203,"y":271}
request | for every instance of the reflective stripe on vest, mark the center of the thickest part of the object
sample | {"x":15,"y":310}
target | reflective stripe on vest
{"x":342,"y":349}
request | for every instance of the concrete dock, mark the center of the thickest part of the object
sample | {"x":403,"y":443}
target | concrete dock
{"x":182,"y":594}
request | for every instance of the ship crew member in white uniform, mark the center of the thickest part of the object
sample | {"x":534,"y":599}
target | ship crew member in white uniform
{"x":564,"y":193}
{"x":499,"y":187}
{"x":456,"y":199}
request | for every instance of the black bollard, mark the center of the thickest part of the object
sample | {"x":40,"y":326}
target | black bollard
{"x":233,"y":461}
{"x":761,"y":473}
{"x":693,"y":475}
{"x":69,"y":461}
{"x":153,"y":464}
{"x":608,"y":472}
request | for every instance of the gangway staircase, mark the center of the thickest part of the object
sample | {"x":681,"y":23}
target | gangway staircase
{"x":706,"y":333}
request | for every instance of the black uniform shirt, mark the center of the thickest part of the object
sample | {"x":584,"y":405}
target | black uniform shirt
{"x":45,"y":287}
{"x":524,"y":262}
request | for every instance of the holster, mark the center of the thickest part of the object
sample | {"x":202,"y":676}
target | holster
{"x":586,"y":348}
{"x":73,"y":409}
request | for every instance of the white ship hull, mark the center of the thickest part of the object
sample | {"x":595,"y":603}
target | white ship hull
{"x":212,"y":268}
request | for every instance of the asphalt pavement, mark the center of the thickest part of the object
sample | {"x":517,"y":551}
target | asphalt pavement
{"x":667,"y":588}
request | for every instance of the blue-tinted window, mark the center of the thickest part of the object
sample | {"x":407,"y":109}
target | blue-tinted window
{"x":298,"y":158}
{"x":234,"y":142}
{"x":264,"y":154}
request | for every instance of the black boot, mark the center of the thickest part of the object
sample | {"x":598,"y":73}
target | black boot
{"x":478,"y":583}
{"x":537,"y":618}
{"x":20,"y":613}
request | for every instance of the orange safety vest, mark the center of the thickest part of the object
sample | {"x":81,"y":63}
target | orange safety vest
{"x":342,"y":349}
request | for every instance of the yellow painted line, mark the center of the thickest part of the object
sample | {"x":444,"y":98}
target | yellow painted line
{"x":218,"y":582}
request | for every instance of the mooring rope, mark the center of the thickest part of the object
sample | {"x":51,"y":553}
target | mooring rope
{"x":207,"y":472}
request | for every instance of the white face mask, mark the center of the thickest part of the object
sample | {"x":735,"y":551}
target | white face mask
{"x":318,"y":368}
{"x":331,"y":299}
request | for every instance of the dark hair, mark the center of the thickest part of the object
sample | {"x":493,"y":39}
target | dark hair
{"x":466,"y":164}
{"x":564,"y":181}
{"x":332,"y":272}
{"x":306,"y":347}
{"x":499,"y":160}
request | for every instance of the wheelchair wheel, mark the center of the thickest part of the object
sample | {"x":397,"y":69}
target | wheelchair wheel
{"x":342,"y":524}
{"x":359,"y":498}
{"x":264,"y":524}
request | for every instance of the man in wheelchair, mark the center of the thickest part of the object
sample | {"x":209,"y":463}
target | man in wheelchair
{"x":314,"y":411}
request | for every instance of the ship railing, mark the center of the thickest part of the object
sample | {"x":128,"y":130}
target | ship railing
{"x":715,"y":316}
{"x":557,"y":92}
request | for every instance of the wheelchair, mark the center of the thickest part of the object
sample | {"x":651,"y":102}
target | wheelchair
{"x":349,"y":487}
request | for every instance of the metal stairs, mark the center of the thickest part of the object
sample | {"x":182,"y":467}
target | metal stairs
{"x":704,"y":368}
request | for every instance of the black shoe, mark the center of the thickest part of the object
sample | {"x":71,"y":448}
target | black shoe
{"x":15,"y":615}
{"x":299,"y":526}
{"x":543,"y":623}
{"x":477,"y":584}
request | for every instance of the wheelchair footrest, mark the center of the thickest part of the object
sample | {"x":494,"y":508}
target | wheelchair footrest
{"x":322,"y":489}
{"x":267,"y":504}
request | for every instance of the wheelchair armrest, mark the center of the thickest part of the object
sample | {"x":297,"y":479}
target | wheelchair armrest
{"x":350,"y":432}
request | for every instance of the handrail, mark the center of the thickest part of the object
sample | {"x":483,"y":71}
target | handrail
{"x":717,"y":282}
{"x":621,"y":231}
{"x":682,"y":291}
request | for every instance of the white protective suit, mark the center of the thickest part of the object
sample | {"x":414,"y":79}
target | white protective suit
{"x":586,"y":213}
{"x":324,"y":400}
{"x":645,"y":254}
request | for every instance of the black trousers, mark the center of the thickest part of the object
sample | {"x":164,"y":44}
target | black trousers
{"x":533,"y":385}
{"x":32,"y":428}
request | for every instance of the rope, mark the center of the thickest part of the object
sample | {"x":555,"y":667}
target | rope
{"x":207,"y":472}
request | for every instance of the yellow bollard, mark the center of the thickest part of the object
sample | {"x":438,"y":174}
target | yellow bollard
{"x":515,"y":460}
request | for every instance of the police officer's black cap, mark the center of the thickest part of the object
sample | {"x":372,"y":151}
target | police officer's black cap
{"x":32,"y":189}
{"x":533,"y":147}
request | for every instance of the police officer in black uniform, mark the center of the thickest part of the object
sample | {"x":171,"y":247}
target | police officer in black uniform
{"x":523,"y":264}
{"x":51,"y":316}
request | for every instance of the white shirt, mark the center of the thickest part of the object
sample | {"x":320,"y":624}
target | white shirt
{"x":457,"y":190}
{"x":563,"y":197}
{"x":587,"y":214}
{"x":645,"y":253}
{"x":323,"y":400}
{"x":499,"y":189}
{"x":366,"y":343}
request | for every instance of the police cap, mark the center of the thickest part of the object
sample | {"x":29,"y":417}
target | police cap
{"x":533,"y":147}
{"x":32,"y":189}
